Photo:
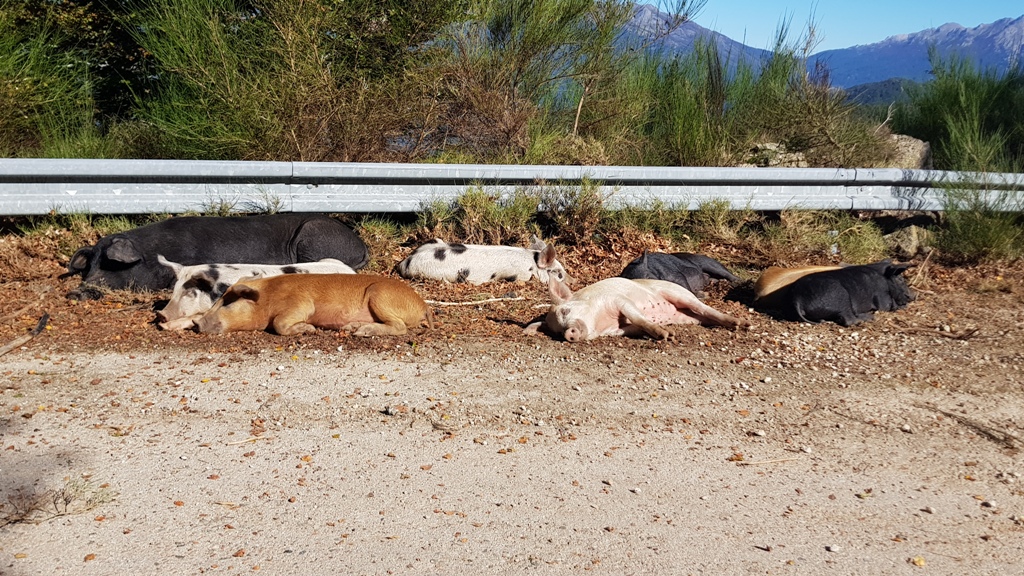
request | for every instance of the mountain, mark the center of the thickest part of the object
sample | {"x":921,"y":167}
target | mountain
{"x":648,"y":22}
{"x":993,"y":45}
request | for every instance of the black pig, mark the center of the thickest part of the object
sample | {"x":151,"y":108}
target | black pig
{"x":849,"y":295}
{"x":128,"y":260}
{"x":691,"y":271}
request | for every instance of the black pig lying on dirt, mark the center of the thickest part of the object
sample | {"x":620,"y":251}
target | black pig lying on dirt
{"x":849,"y":295}
{"x":128,"y":260}
{"x":691,"y":271}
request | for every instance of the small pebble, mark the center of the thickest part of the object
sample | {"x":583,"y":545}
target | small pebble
{"x":759,"y":433}
{"x":806,"y":449}
{"x":832,"y":548}
{"x":988,"y":504}
{"x":928,"y":509}
{"x":906,"y":428}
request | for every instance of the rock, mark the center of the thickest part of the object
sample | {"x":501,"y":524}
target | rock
{"x":908,"y":242}
{"x":774,"y":155}
{"x":910,"y":153}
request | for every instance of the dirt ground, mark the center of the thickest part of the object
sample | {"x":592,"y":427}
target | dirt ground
{"x":889,"y":448}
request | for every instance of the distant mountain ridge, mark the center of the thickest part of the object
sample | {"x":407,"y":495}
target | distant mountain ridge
{"x":994,"y":45}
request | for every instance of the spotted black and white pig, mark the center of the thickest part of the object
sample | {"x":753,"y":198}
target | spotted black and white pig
{"x":477,"y":264}
{"x":691,"y":271}
{"x":128,"y":260}
{"x":198,"y":287}
{"x":624,"y":307}
{"x":850,"y":294}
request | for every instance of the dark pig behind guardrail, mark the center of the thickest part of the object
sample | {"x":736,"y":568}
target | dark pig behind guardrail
{"x":128,"y":260}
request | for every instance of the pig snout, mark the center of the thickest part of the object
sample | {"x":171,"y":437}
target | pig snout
{"x":209,"y":324}
{"x":576,"y":331}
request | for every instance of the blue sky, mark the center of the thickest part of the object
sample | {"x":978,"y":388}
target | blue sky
{"x":841,"y":24}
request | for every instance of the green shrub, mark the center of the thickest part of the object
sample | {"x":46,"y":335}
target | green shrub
{"x":716,"y":220}
{"x":479,"y":216}
{"x":46,"y":105}
{"x":574,"y":213}
{"x":973,"y":118}
{"x":486,"y":218}
{"x":981,"y":225}
{"x":383,"y":238}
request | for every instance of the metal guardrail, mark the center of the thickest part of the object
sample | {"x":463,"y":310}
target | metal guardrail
{"x":41,"y":186}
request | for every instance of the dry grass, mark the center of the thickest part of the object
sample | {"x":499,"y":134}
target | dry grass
{"x":75,"y":495}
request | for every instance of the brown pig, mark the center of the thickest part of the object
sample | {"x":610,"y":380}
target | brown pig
{"x":364,"y":304}
{"x":624,"y":307}
{"x":772,"y":287}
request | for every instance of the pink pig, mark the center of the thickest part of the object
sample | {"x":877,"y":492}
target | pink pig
{"x":623,"y":307}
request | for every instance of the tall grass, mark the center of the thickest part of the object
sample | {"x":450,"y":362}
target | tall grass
{"x":481,"y":216}
{"x":982,"y":223}
{"x":46,"y":106}
{"x":281,"y":79}
{"x":708,"y":109}
{"x":975,"y":121}
{"x":973,"y":117}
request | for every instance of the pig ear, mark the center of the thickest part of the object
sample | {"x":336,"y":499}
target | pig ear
{"x":123,"y":250}
{"x":203,"y":281}
{"x":546,"y":257}
{"x":896,"y":269}
{"x":174,"y":266}
{"x":80,"y":261}
{"x":536,"y":243}
{"x":241,"y":292}
{"x":559,"y":291}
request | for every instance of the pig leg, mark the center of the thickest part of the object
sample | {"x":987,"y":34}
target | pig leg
{"x":395,"y":328}
{"x":385,"y":307}
{"x":636,"y":318}
{"x":683,"y":299}
{"x":295,"y":320}
{"x":181,"y":323}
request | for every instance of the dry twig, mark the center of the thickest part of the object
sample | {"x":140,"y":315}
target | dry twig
{"x":1007,"y":439}
{"x":24,"y":339}
{"x":249,"y":439}
{"x":962,"y":335}
{"x":766,"y":461}
{"x":922,"y":268}
{"x":27,"y":307}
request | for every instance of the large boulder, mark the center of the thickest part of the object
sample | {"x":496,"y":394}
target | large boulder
{"x":910,"y":153}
